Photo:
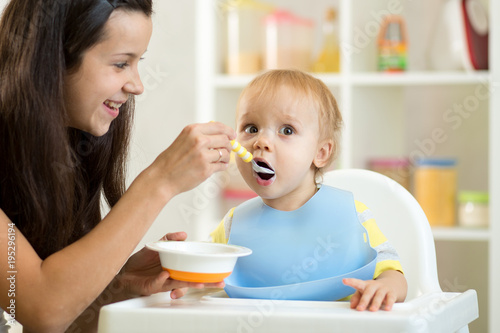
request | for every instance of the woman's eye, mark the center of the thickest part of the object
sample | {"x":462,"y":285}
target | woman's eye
{"x":251,"y":129}
{"x":121,"y":65}
{"x":286,"y":130}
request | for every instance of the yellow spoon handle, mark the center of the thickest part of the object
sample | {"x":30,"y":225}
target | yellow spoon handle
{"x":241,"y":151}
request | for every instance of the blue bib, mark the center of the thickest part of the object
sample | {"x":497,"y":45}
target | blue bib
{"x":321,"y":239}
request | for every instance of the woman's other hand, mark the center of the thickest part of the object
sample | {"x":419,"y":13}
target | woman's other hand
{"x":143,"y":275}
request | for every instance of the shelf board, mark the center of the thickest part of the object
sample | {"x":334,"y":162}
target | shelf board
{"x":460,"y":234}
{"x":233,"y":81}
{"x":374,"y":79}
{"x":420,"y":78}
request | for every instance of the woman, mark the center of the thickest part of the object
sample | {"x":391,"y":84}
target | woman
{"x":68,"y":74}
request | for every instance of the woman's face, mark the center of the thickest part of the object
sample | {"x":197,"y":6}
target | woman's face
{"x":108,"y":73}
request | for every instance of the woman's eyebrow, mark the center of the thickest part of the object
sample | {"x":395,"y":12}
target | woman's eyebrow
{"x":130,"y":54}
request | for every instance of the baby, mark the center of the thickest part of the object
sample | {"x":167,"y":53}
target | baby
{"x":291,"y":124}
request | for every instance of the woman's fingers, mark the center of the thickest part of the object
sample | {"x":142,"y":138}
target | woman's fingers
{"x":199,"y":151}
{"x":215,"y":127}
{"x":178,"y":293}
{"x":211,"y":135}
{"x":175,"y":236}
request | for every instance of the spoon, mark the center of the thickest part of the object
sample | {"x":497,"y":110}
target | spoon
{"x":246,"y":156}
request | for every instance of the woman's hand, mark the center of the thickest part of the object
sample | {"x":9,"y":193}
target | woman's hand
{"x":198,"y":152}
{"x":381,"y":293}
{"x":142,"y":275}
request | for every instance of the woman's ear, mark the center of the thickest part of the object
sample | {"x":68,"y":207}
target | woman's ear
{"x":325,"y":150}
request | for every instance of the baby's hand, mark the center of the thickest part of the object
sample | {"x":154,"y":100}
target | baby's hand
{"x":372,"y":295}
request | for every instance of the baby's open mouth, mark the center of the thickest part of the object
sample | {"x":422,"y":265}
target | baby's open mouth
{"x":263,"y":170}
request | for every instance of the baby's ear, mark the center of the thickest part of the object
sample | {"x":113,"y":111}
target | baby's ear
{"x":324,"y":151}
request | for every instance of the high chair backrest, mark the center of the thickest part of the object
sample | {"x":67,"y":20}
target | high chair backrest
{"x":400,"y":218}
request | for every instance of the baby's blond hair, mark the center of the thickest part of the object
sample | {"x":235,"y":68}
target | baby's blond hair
{"x":267,"y":84}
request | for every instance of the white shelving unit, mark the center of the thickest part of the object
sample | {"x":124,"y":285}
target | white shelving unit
{"x":394,"y":114}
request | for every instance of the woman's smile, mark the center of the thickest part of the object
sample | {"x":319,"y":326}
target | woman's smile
{"x":113,"y":108}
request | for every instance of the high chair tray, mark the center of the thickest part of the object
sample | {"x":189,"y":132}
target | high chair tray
{"x":210,"y":310}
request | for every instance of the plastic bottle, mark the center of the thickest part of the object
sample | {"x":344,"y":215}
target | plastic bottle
{"x":289,"y":40}
{"x":329,"y":57}
{"x":392,"y":44}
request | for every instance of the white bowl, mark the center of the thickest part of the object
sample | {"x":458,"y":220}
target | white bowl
{"x":198,"y":261}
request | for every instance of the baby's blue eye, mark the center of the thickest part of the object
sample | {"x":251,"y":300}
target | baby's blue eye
{"x":286,"y":130}
{"x":251,"y":129}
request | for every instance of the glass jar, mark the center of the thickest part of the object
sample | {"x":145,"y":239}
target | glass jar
{"x":245,"y":36}
{"x":435,"y":187}
{"x":473,"y":209}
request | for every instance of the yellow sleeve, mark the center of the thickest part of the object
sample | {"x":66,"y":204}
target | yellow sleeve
{"x":388,"y":258}
{"x":219,"y":234}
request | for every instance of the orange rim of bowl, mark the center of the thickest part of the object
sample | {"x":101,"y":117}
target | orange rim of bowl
{"x":197,"y":277}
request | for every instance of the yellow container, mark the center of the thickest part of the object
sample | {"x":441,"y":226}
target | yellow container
{"x":435,"y":186}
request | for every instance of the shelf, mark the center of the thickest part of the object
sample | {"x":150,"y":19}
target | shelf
{"x":374,"y":79}
{"x":240,"y":81}
{"x":460,"y":234}
{"x":421,"y":78}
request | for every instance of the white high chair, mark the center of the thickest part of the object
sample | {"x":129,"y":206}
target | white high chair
{"x":403,"y":222}
{"x":426,"y":309}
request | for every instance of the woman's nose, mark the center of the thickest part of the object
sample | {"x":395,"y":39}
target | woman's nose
{"x":134,"y":84}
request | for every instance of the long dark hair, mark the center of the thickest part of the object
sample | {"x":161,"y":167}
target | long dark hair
{"x":52,"y":177}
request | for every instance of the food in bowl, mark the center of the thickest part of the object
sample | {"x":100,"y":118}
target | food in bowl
{"x":201,"y":262}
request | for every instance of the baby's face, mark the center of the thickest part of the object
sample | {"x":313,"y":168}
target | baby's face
{"x":282,"y":133}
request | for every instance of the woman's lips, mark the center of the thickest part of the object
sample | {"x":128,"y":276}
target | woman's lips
{"x":114,"y":112}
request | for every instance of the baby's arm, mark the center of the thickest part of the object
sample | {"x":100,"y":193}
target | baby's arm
{"x":390,"y":285}
{"x":221,"y":233}
{"x":381,"y":293}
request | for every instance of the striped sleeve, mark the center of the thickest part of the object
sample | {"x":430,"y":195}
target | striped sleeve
{"x":387,"y":257}
{"x":221,"y":233}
